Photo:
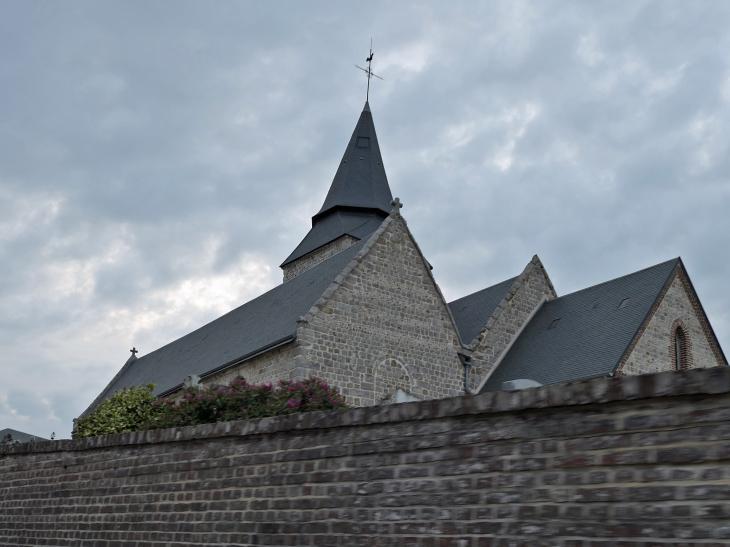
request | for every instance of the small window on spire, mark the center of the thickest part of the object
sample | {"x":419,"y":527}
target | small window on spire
{"x":624,"y":303}
{"x":363,"y":142}
{"x":554,"y":324}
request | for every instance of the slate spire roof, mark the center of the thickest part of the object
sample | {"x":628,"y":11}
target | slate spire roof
{"x":359,"y":197}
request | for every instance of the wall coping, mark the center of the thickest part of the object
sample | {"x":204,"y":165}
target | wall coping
{"x":712,"y":381}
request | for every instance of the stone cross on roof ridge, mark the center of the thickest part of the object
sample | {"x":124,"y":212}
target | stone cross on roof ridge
{"x":397,"y":205}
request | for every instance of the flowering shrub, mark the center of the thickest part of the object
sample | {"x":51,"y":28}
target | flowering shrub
{"x":240,"y":400}
{"x":136,"y":409}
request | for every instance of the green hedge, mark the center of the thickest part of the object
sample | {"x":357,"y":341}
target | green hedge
{"x":127,"y":410}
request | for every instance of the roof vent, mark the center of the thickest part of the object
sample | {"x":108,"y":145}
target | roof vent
{"x":522,"y":383}
{"x":624,"y":303}
{"x":554,"y":324}
{"x":363,"y":142}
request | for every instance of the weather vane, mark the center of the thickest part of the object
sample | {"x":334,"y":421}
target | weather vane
{"x":369,"y":71}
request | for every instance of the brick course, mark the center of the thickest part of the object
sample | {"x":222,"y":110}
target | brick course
{"x":632,"y":461}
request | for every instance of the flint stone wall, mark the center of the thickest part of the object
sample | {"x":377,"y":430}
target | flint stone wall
{"x":271,"y":366}
{"x":310,"y":260}
{"x":632,"y":461}
{"x":524,"y":297}
{"x":382,"y":325}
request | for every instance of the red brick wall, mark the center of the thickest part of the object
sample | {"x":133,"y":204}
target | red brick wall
{"x":633,"y":461}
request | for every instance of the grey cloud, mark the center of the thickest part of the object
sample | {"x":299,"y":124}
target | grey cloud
{"x":149,"y":152}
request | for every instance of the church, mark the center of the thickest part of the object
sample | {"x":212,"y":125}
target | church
{"x":360,"y":308}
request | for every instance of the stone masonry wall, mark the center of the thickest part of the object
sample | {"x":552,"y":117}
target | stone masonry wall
{"x":527,"y":292}
{"x":262,"y":369}
{"x":310,"y":260}
{"x":654,"y":350}
{"x":637,"y":461}
{"x":382,"y":325}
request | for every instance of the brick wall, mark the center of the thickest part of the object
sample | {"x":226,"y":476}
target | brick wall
{"x":624,"y":462}
{"x":654,"y":350}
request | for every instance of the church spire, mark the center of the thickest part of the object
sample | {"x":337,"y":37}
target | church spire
{"x":359,"y":196}
{"x":360,"y":181}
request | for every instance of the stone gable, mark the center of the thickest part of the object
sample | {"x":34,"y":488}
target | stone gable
{"x":530,"y":289}
{"x":383,"y":325}
{"x":653,"y":350}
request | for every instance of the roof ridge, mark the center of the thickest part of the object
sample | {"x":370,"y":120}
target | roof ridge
{"x":617,"y":278}
{"x":482,"y":290}
{"x":519,"y":280}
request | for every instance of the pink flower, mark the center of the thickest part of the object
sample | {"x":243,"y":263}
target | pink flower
{"x":293,"y":403}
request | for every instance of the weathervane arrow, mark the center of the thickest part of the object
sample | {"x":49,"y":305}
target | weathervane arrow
{"x":369,"y":70}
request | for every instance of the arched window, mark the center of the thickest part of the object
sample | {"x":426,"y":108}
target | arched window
{"x":681,"y":349}
{"x":678,"y":349}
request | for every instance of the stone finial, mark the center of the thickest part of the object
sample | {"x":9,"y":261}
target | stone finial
{"x":191,"y":380}
{"x":397,"y":205}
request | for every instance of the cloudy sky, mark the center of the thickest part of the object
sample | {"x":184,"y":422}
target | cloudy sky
{"x":159,"y":160}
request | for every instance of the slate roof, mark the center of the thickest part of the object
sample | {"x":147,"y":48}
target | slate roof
{"x":255,"y":326}
{"x":592,"y":335}
{"x":360,"y":180}
{"x":472,"y":312}
{"x":19,"y":435}
{"x":334,"y":225}
{"x":359,"y":197}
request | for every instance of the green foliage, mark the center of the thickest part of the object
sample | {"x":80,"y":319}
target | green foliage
{"x":135,"y":409}
{"x":127,"y":410}
{"x":8,"y":439}
{"x":241,"y":400}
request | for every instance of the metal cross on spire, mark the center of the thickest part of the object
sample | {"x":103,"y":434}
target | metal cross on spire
{"x":369,"y":71}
